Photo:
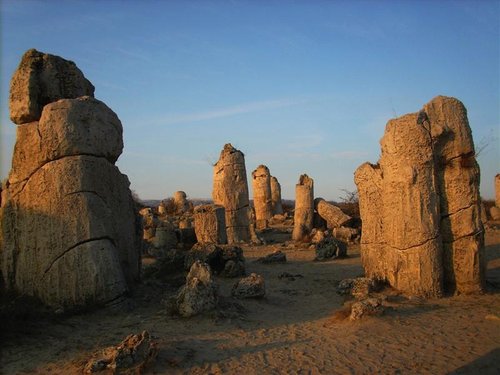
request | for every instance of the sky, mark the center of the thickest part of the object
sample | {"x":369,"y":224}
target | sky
{"x":300,"y":86}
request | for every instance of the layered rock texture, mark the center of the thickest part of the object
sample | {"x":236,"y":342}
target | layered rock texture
{"x":262,"y":199}
{"x":230,"y":190}
{"x":277,"y":207}
{"x":420,"y":204}
{"x":210,"y":224}
{"x":304,"y":208}
{"x":69,"y":234}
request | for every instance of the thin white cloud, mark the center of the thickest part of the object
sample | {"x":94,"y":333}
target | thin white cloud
{"x":229,"y":111}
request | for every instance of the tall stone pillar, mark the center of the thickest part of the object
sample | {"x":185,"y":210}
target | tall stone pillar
{"x":262,"y":200}
{"x":304,"y":208}
{"x":230,"y":190}
{"x":277,"y":206}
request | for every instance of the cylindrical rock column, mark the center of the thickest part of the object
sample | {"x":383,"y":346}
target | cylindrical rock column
{"x":230,"y":190}
{"x":304,"y":208}
{"x":180,"y":201}
{"x":277,"y":207}
{"x":262,"y":201}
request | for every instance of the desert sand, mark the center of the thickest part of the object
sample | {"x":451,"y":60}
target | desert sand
{"x":298,"y":328}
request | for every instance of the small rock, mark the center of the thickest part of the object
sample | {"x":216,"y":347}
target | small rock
{"x":369,"y":306}
{"x":289,"y":276}
{"x":360,"y":287}
{"x":132,"y":355}
{"x":330,"y":248}
{"x":252,"y":286}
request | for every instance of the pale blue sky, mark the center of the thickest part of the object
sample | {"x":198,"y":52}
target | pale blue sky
{"x":301,"y":86}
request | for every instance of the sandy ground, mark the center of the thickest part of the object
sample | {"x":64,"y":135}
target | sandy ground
{"x":294,"y":330}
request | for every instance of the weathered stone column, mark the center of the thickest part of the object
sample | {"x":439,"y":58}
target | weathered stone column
{"x":368,"y":179}
{"x":69,"y":233}
{"x":210,"y":224}
{"x":262,"y":200}
{"x":458,"y":184}
{"x":420,"y":206}
{"x":277,"y":207}
{"x":230,"y":190}
{"x":304,"y":208}
{"x":410,"y":211}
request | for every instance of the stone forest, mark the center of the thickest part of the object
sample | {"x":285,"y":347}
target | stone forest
{"x":95,"y":281}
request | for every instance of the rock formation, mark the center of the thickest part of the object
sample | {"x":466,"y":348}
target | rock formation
{"x":304,"y":208}
{"x":68,"y":231}
{"x":495,"y":210}
{"x":210,"y":224}
{"x":333,"y":215}
{"x":420,"y":205}
{"x":277,"y":207}
{"x":230,"y":190}
{"x":180,"y":201}
{"x":262,"y":199}
{"x":252,"y":286}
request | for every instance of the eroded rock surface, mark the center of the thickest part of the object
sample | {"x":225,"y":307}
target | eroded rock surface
{"x":230,"y":190}
{"x":277,"y":207}
{"x":304,"y":208}
{"x":210,"y":224}
{"x":41,"y":79}
{"x":69,"y":233}
{"x":420,"y":205}
{"x":252,"y":286}
{"x":333,"y":215}
{"x":262,"y":198}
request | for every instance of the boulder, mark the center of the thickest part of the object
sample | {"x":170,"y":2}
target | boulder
{"x":230,"y":190}
{"x":262,"y":199}
{"x":366,"y":307}
{"x":41,"y":79}
{"x":359,"y":288}
{"x":330,"y":248}
{"x":346,"y":234}
{"x":333,"y":215}
{"x":304,"y":208}
{"x":252,"y":286}
{"x":495,"y":213}
{"x":200,"y":292}
{"x":225,"y":261}
{"x":210,"y":224}
{"x":132,"y":355}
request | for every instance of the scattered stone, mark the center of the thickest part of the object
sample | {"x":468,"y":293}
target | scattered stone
{"x":359,"y":288}
{"x":366,"y":307}
{"x":234,"y":261}
{"x":275,"y":257}
{"x":210,"y":224}
{"x":208,"y":253}
{"x":318,"y":235}
{"x":330,"y":248}
{"x":252,"y":286}
{"x":333,"y":215}
{"x":230,"y":190}
{"x":200,"y":292}
{"x":304,"y":208}
{"x":131,"y":356}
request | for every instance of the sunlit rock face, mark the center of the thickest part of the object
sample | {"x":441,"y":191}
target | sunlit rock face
{"x":420,"y":204}
{"x":262,"y":198}
{"x":69,"y":233}
{"x":230,"y":190}
{"x":304,"y":208}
